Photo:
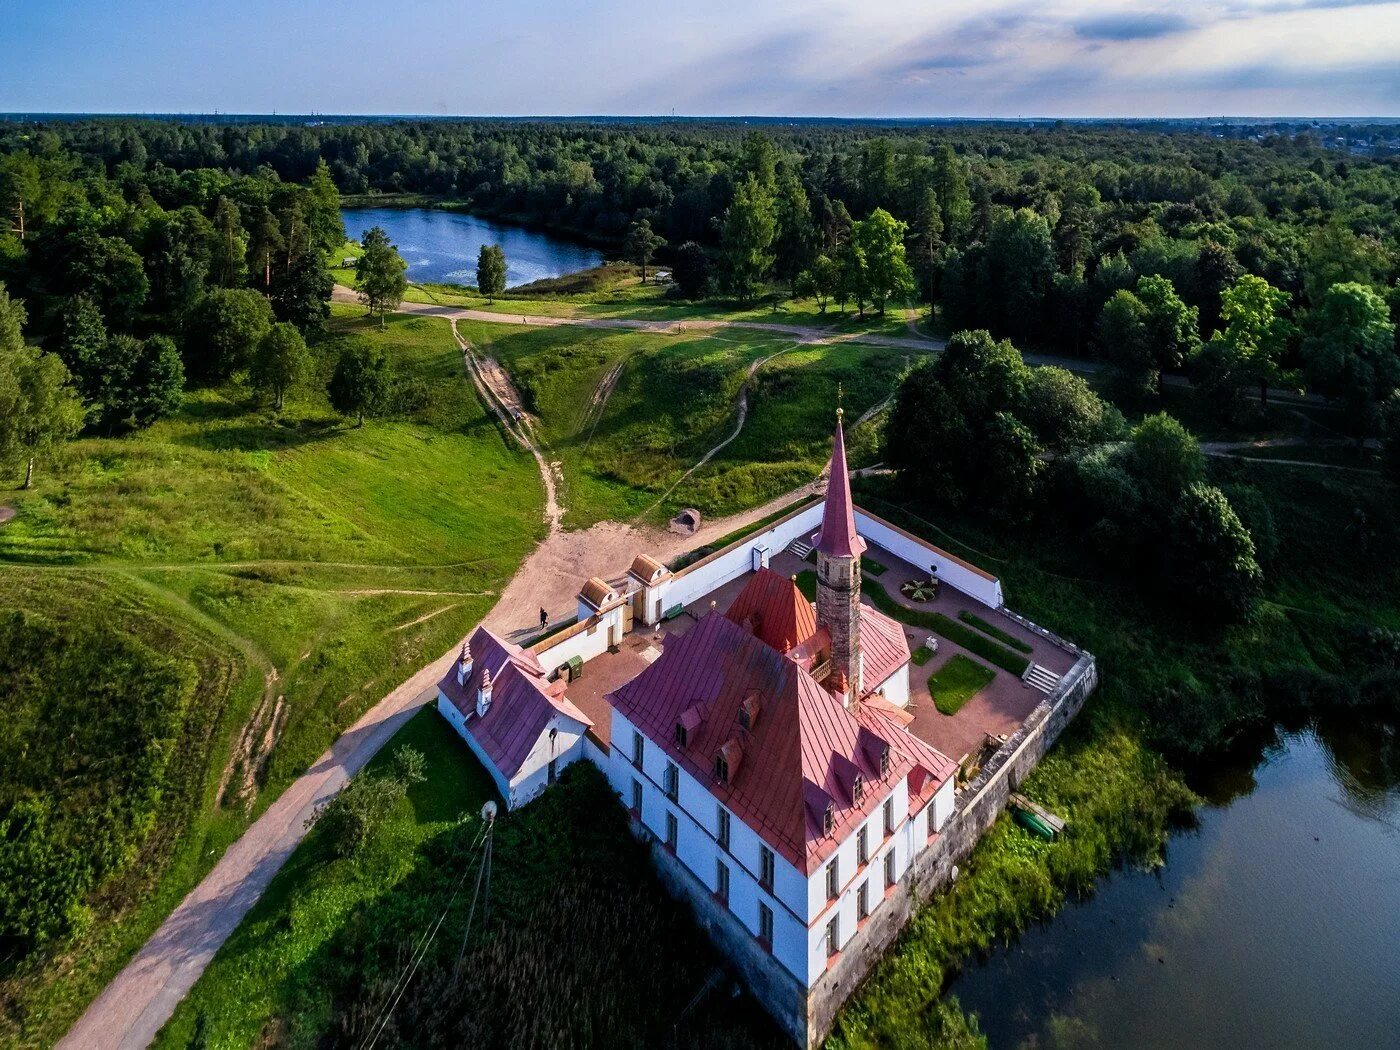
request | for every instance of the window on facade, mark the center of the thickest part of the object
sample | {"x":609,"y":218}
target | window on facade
{"x":932,"y":821}
{"x":723,"y":828}
{"x":833,"y":880}
{"x":672,"y":781}
{"x":889,"y":869}
{"x":553,"y":770}
{"x":765,"y":867}
{"x":671,"y":830}
{"x":722,"y":881}
{"x":889,"y":817}
{"x":863,"y":846}
{"x":637,"y":749}
{"x":553,"y":732}
{"x":833,"y":936}
{"x":680,"y":734}
{"x":637,"y":795}
{"x":765,"y":922}
{"x":863,"y":901}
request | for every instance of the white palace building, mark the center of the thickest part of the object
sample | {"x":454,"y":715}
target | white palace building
{"x":772,"y":749}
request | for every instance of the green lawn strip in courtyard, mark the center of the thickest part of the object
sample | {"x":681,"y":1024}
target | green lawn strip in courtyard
{"x":581,"y":945}
{"x":957,"y":681}
{"x":922,"y":655}
{"x":319,"y":564}
{"x":993,"y":631}
{"x":971,"y":640}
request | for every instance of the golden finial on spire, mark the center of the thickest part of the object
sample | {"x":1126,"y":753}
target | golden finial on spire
{"x":839,"y":392}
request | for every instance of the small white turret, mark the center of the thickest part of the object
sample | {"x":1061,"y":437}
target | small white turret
{"x":483,"y":693}
{"x":464,"y":665}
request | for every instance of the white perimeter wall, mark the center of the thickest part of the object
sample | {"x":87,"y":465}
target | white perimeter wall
{"x":686,"y":587}
{"x":916,"y":552}
{"x":589,"y":642}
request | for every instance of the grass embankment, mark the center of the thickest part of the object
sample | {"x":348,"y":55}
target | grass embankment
{"x":672,"y":399}
{"x":306,"y":566}
{"x":956,"y":682}
{"x":581,"y":946}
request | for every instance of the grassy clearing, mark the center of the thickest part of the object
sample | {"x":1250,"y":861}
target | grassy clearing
{"x":957,"y":682}
{"x":309,"y":560}
{"x":993,"y":631}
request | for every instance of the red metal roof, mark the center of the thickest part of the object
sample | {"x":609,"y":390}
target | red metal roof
{"x":775,"y":610}
{"x":838,"y":536}
{"x":523,"y":700}
{"x":802,"y":753}
{"x":883,"y":648}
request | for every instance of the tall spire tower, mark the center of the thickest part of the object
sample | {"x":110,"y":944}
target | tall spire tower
{"x":839,"y":548}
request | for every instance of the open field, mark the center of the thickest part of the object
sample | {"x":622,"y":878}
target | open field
{"x":304,"y":565}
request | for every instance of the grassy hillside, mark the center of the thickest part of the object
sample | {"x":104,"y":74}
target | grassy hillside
{"x":304,"y":565}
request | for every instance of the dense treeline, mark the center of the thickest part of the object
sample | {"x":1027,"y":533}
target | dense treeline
{"x":1076,"y":238}
{"x":141,"y":279}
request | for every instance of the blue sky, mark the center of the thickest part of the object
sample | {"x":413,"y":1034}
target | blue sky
{"x":998,"y":58}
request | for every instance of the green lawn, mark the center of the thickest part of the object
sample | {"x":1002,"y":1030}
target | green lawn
{"x":296,"y":557}
{"x":957,"y":682}
{"x":993,"y":631}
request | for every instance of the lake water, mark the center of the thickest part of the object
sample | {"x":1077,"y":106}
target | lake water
{"x":442,"y":246}
{"x":1275,"y":923}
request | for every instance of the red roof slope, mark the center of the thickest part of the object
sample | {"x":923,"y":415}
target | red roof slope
{"x":775,"y":610}
{"x":803,"y":752}
{"x":883,"y":647}
{"x":838,"y":536}
{"x":523,"y":700}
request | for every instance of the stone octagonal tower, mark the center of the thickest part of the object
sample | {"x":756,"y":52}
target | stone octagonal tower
{"x":839,"y":548}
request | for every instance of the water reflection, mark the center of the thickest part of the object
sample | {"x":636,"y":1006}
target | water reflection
{"x":1276,"y":920}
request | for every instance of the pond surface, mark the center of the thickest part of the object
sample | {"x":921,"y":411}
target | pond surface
{"x":441,"y":246}
{"x":1275,"y":923}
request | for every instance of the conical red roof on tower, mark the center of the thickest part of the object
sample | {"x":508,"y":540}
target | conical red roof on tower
{"x":838,"y":537}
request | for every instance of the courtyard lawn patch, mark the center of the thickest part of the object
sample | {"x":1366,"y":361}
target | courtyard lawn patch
{"x":922,"y":655}
{"x":871,"y":566}
{"x":993,"y":631}
{"x":807,"y":584}
{"x":957,"y":682}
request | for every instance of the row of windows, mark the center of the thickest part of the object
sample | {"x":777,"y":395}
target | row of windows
{"x":833,"y":873}
{"x":723,"y":825}
{"x":833,"y":928}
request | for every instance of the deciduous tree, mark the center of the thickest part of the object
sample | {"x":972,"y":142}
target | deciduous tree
{"x":880,"y":239}
{"x":280,"y":362}
{"x":746,"y":240}
{"x":1349,"y":353}
{"x":641,"y":244}
{"x":360,"y":384}
{"x":491,"y":271}
{"x":379,"y":274}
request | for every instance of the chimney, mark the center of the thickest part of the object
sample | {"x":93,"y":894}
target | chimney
{"x":464,"y":665}
{"x":483,"y":693}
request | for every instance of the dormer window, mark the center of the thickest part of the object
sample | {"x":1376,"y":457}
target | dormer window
{"x":885,"y":761}
{"x":858,"y":788}
{"x":748,"y":711}
{"x":680,"y":735}
{"x":721,"y":768}
{"x":829,"y":819}
{"x":727,"y":760}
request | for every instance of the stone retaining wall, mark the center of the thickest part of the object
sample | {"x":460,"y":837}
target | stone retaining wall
{"x":978,"y":805}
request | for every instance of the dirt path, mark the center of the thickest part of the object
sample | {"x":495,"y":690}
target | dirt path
{"x":743,"y":414}
{"x":598,"y":405}
{"x":810,"y":334}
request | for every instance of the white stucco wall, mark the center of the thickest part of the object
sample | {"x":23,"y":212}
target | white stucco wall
{"x":895,"y":688}
{"x":697,"y":846}
{"x":916,"y":552}
{"x":587,"y":643}
{"x":566,"y":746}
{"x":691,"y":585}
